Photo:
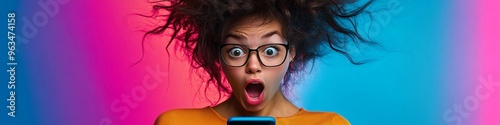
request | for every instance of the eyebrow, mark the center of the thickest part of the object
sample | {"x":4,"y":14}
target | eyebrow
{"x":239,"y":36}
{"x":236,"y":36}
{"x":267,"y":35}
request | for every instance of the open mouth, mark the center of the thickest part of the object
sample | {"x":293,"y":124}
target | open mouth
{"x":254,"y":89}
{"x":254,"y":92}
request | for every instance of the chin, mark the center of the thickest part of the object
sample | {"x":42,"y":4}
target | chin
{"x":253,"y":108}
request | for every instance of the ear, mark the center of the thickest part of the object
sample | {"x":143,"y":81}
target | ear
{"x":292,"y":53}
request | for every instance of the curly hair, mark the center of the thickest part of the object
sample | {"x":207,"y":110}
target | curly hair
{"x":200,"y":25}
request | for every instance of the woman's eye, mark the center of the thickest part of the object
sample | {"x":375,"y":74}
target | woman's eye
{"x":270,"y":51}
{"x":236,"y":52}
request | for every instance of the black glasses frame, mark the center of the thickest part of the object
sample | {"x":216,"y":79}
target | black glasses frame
{"x":250,"y":52}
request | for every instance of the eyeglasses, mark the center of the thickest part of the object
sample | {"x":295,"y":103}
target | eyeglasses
{"x":269,"y":55}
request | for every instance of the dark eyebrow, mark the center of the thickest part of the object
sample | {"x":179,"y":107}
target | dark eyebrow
{"x":236,"y":36}
{"x":267,"y":35}
{"x":239,"y":37}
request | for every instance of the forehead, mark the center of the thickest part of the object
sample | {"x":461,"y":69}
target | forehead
{"x":254,"y":31}
{"x":254,"y":26}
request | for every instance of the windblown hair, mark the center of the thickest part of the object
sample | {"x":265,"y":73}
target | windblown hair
{"x":200,"y":25}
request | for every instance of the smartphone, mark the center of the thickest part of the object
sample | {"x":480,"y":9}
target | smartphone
{"x":251,"y":121}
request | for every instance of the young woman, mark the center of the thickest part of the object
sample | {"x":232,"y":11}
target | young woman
{"x":259,"y":47}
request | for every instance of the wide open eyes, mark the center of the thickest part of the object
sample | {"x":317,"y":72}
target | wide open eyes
{"x":270,"y":51}
{"x":236,"y":52}
{"x":270,"y":55}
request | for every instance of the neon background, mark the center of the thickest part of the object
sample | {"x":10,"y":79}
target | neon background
{"x":78,"y":64}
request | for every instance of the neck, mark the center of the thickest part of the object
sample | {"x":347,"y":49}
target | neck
{"x":278,"y":106}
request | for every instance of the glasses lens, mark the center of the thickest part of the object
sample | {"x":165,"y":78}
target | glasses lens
{"x":270,"y":55}
{"x":234,"y":55}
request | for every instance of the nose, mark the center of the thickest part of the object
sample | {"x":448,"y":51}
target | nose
{"x":253,"y":64}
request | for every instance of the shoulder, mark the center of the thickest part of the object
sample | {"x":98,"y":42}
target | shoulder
{"x":339,"y":120}
{"x":324,"y":118}
{"x":174,"y":116}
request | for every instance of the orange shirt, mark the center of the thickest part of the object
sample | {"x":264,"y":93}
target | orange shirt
{"x":208,"y":116}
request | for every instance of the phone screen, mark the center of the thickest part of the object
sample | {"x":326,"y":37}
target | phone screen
{"x":251,"y":121}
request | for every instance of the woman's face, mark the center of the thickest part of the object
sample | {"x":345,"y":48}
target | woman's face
{"x":254,"y":84}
